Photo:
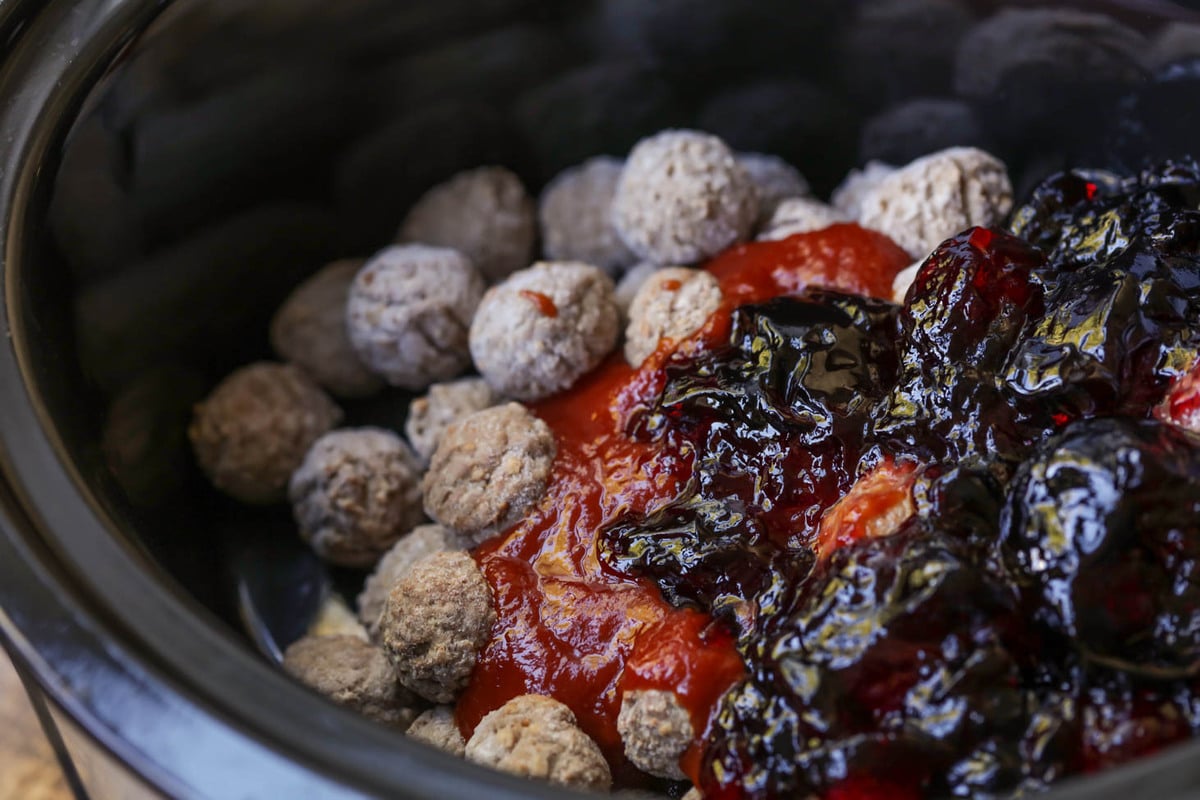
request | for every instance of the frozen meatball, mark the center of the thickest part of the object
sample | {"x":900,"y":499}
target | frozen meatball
{"x":655,"y":730}
{"x":683,"y":197}
{"x":575,"y":213}
{"x":774,"y":179}
{"x":672,"y":304}
{"x":933,"y":198}
{"x":895,"y":49}
{"x":544,"y":328}
{"x":334,"y":618}
{"x":489,"y":470}
{"x":847,"y":197}
{"x":437,"y":728}
{"x":309,"y":330}
{"x":409,"y":311}
{"x":630,"y":283}
{"x":903,"y":280}
{"x":352,"y":673}
{"x":800,"y":215}
{"x":919,"y":127}
{"x":252,"y":432}
{"x":1051,"y":46}
{"x":484,"y":213}
{"x":435,"y":622}
{"x":355,"y":493}
{"x":415,"y":546}
{"x":443,"y":404}
{"x":537,"y":737}
{"x":1039,"y":74}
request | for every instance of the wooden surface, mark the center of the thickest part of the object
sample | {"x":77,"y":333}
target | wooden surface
{"x":28,"y":769}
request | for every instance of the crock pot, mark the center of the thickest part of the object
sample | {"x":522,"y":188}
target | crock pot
{"x":254,"y":141}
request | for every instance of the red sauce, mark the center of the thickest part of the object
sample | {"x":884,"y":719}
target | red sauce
{"x":878,"y":504}
{"x":543,"y":302}
{"x":1181,"y":406}
{"x":570,"y":627}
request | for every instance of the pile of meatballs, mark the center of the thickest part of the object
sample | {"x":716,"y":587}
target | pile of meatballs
{"x":455,"y":313}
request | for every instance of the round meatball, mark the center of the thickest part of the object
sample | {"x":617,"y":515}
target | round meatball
{"x":144,"y":439}
{"x":903,"y":280}
{"x":443,"y":404}
{"x":355,"y":493}
{"x":415,"y":546}
{"x":933,"y":198}
{"x":252,"y":432}
{"x":409,"y":311}
{"x":672,"y":304}
{"x":575,"y":212}
{"x":1060,"y":46}
{"x":334,"y":618}
{"x":352,"y":673}
{"x":629,"y":285}
{"x":309,"y":330}
{"x":683,"y":197}
{"x":774,"y":179}
{"x":544,"y":328}
{"x":437,"y":728}
{"x":918,"y":127}
{"x":655,"y":729}
{"x":490,"y":469}
{"x":848,"y":196}
{"x":537,"y":737}
{"x":435,"y":622}
{"x":799,"y":215}
{"x":484,"y":213}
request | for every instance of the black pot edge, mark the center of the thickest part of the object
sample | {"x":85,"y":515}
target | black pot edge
{"x":61,"y":609}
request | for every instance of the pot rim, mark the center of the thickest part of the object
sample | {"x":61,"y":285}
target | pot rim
{"x":169,"y":690}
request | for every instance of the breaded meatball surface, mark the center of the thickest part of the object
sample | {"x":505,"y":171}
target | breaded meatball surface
{"x":800,"y":215}
{"x":629,"y":285}
{"x":537,"y":737}
{"x":483,"y":213}
{"x":309,"y":330}
{"x":903,"y":281}
{"x":334,"y":618}
{"x":656,"y":730}
{"x":673,"y":303}
{"x":774,"y":179}
{"x":444,"y":404}
{"x":575,"y":211}
{"x":933,"y":198}
{"x":352,"y":673}
{"x":848,"y":196}
{"x":544,"y":328}
{"x":409,"y":311}
{"x":355,"y":494}
{"x":413,"y":547}
{"x":683,"y":197}
{"x":255,"y":427}
{"x":437,"y":728}
{"x":435,"y":622}
{"x":489,"y":470}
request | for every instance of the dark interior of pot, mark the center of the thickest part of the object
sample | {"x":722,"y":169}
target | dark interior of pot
{"x":238,"y":147}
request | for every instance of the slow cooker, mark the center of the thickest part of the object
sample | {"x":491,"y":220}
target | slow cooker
{"x":170,"y":168}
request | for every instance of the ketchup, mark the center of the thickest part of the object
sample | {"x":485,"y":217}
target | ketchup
{"x":572,"y":627}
